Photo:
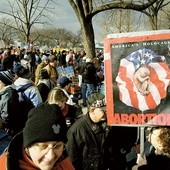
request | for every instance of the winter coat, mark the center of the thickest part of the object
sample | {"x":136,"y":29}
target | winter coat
{"x":10,"y":159}
{"x":52,"y":71}
{"x":44,"y":87}
{"x":73,"y":114}
{"x":85,"y":144}
{"x":89,"y":73}
{"x":38,"y":70}
{"x":31,"y":92}
{"x":62,"y":59}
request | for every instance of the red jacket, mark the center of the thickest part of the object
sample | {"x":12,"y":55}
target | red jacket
{"x":10,"y":159}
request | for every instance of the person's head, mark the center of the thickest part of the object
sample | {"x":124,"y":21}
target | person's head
{"x":53,"y":60}
{"x":64,"y":82}
{"x":96,"y":63}
{"x":71,"y":52}
{"x":44,"y":59}
{"x":22,"y":72}
{"x":97,"y":107}
{"x":159,"y":137}
{"x":57,"y":96}
{"x":44,"y":136}
{"x":82,"y":53}
{"x":64,"y":52}
{"x":6,"y":78}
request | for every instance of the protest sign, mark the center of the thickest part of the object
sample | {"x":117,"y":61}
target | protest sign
{"x":66,"y":71}
{"x":137,"y":78}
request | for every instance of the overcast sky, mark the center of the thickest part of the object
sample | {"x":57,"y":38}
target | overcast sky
{"x":62,"y":17}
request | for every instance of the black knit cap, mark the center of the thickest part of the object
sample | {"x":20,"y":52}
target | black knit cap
{"x":45,"y":123}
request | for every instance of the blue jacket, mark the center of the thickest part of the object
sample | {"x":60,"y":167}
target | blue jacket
{"x":31,"y":92}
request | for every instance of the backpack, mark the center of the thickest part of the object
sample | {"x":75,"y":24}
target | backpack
{"x":24,"y":106}
{"x":17,"y":111}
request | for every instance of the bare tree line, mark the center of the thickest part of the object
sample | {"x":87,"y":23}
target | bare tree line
{"x":120,"y":17}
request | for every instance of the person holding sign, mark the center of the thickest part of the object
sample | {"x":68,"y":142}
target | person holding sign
{"x":160,"y":158}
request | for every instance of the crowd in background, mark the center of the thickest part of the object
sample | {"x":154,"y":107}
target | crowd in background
{"x":44,"y":122}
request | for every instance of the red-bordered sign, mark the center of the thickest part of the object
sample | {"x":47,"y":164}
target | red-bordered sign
{"x":137,"y":78}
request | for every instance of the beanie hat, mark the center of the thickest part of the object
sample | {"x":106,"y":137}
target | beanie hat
{"x":45,"y":123}
{"x":97,"y":100}
{"x":44,"y":57}
{"x":22,"y":72}
{"x":6,"y":77}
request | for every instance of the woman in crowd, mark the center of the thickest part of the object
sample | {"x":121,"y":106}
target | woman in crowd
{"x":44,"y":84}
{"x":70,"y":112}
{"x":159,"y":137}
{"x":41,"y":144}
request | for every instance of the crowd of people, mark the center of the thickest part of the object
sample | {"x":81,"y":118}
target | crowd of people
{"x":42,"y":125}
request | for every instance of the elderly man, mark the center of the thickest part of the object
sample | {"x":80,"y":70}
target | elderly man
{"x":86,"y":137}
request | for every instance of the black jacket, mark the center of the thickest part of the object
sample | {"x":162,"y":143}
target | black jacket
{"x":72,"y":115}
{"x":85,"y":144}
{"x":89,"y":73}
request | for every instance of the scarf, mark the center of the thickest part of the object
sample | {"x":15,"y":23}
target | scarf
{"x":65,"y":110}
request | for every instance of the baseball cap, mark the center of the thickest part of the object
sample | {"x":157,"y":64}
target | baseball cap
{"x":97,"y":100}
{"x":63,"y":81}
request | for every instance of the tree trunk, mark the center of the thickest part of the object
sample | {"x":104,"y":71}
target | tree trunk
{"x":88,"y":37}
{"x":86,"y":10}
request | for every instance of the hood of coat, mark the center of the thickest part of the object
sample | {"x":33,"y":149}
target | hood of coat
{"x":22,"y":82}
{"x":15,"y":152}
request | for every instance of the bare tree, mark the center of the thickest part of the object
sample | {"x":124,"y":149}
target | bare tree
{"x":120,"y":21}
{"x":7,"y":33}
{"x":75,"y":39}
{"x":164,"y":18}
{"x":56,"y":37}
{"x":26,"y":13}
{"x":153,"y":11}
{"x":86,"y":10}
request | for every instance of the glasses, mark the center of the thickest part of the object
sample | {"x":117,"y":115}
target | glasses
{"x":57,"y":147}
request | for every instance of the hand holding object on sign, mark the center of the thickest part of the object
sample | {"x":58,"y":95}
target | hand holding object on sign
{"x":141,"y":160}
{"x":141,"y":80}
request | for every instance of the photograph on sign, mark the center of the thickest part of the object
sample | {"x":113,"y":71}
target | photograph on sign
{"x":140,"y":80}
